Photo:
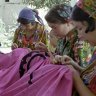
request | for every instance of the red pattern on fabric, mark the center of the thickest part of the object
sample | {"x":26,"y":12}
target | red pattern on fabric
{"x":92,"y":85}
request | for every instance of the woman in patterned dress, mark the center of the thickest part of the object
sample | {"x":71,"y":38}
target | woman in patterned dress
{"x":84,"y":19}
{"x":58,"y":19}
{"x":30,"y":31}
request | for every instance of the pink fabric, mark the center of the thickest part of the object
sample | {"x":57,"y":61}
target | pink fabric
{"x":48,"y":80}
{"x":9,"y":64}
{"x":9,"y":59}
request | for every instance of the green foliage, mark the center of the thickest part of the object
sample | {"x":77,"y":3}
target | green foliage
{"x":6,"y":36}
{"x":45,"y":3}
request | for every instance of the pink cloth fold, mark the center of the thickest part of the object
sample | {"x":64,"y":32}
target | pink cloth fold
{"x":48,"y":79}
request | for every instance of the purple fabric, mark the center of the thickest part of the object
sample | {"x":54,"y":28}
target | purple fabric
{"x":48,"y":79}
{"x":27,"y":13}
{"x":9,"y":64}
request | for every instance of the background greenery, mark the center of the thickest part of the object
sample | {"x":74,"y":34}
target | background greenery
{"x":45,"y":3}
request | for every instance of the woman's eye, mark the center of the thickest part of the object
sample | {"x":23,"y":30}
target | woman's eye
{"x":54,"y":27}
{"x":80,"y":29}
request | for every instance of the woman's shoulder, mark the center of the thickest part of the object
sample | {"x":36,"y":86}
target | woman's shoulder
{"x":18,"y":30}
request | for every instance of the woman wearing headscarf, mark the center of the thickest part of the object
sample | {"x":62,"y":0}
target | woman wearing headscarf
{"x":30,"y":31}
{"x":84,"y":19}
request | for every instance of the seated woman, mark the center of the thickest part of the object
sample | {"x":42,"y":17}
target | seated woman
{"x":30,"y":31}
{"x":84,"y":19}
{"x":67,"y":44}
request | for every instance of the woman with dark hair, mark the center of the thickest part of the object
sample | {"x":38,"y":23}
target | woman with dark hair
{"x":84,"y":19}
{"x":68,"y":42}
{"x":30,"y":31}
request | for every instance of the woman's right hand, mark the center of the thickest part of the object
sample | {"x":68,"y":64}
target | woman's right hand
{"x":55,"y":59}
{"x":14,"y":46}
{"x":58,"y":59}
{"x":67,"y":60}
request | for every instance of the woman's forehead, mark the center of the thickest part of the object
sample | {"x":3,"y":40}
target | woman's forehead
{"x":52,"y":24}
{"x":75,"y":22}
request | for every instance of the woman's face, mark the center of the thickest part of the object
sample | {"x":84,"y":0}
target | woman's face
{"x":81,"y":28}
{"x":26,"y":26}
{"x":59,"y":29}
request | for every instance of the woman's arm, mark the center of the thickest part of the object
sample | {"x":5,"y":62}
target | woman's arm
{"x":77,"y":67}
{"x":80,"y":86}
{"x":14,"y":42}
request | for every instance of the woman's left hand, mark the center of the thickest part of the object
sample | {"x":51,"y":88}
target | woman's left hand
{"x":58,"y":58}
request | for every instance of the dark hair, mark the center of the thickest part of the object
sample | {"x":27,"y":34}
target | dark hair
{"x":79,"y":15}
{"x":24,"y":21}
{"x":54,"y":17}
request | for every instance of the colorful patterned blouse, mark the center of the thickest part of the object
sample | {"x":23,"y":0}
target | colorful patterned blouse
{"x":69,"y":46}
{"x":89,"y":76}
{"x":39,"y":34}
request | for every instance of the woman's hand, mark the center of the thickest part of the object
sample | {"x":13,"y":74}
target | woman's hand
{"x":69,"y":61}
{"x":58,"y":58}
{"x":14,"y":46}
{"x":41,"y":47}
{"x":62,"y":59}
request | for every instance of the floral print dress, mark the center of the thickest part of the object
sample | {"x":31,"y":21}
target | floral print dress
{"x":39,"y":34}
{"x":89,"y":75}
{"x":69,"y":46}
